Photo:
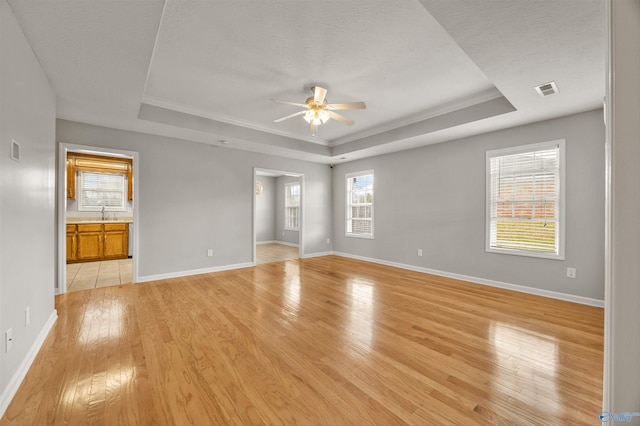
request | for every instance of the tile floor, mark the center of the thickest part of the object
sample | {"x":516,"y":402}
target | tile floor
{"x":83,"y":276}
{"x":267,"y":253}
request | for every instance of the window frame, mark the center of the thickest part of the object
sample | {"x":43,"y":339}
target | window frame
{"x":561,"y":220}
{"x":287,"y":216}
{"x":83,"y":208}
{"x":348,"y":204}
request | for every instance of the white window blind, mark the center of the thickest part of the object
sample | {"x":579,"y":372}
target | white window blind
{"x":524,"y":199}
{"x":359,"y":215}
{"x":292,"y":206}
{"x":99,"y":190}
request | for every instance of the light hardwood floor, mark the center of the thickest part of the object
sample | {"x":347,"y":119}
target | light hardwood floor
{"x":326,"y":340}
{"x":83,"y":276}
{"x":267,"y":253}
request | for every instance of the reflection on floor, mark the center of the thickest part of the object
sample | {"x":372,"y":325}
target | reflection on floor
{"x":82,"y":276}
{"x":267,"y":253}
{"x":330,"y":340}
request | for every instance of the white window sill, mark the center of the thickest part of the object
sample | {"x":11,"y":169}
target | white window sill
{"x":366,"y":237}
{"x":513,"y":252}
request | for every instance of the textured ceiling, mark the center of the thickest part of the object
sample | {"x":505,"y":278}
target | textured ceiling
{"x":429,"y":71}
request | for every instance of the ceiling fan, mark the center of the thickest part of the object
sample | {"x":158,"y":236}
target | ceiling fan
{"x":317,"y":111}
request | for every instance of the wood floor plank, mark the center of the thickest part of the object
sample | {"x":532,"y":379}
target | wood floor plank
{"x":326,"y":340}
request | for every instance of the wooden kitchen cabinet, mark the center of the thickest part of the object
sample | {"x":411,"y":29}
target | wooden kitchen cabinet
{"x":71,"y":180}
{"x":72,"y":243}
{"x":90,"y":242}
{"x":97,"y":241}
{"x":116,"y":241}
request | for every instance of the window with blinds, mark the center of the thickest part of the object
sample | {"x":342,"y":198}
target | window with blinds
{"x":292,"y":206}
{"x":525,"y":200}
{"x":359,"y":215}
{"x":99,"y":190}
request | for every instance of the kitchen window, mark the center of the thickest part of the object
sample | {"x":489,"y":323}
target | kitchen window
{"x":525,"y":200}
{"x":359,"y":214}
{"x":98,"y":190}
{"x":292,"y":206}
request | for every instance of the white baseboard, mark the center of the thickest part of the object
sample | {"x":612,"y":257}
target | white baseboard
{"x":284,"y":243}
{"x":310,"y":255}
{"x":194,"y":272}
{"x":16,"y":380}
{"x":476,"y":280}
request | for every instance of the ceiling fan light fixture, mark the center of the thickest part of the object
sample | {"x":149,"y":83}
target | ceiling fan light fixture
{"x":316,"y":116}
{"x":317,"y":111}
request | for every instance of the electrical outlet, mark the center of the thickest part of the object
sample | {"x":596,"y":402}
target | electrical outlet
{"x":8,"y":340}
{"x":571,"y":272}
{"x":210,"y":252}
{"x":328,"y":240}
{"x":27,"y":316}
{"x":420,"y":252}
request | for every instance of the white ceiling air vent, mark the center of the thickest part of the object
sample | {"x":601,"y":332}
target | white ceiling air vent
{"x":547,"y":89}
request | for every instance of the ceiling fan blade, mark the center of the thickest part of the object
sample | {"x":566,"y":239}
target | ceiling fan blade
{"x":289,"y":103}
{"x":314,"y":129}
{"x":340,"y":118}
{"x":347,"y":105}
{"x":319,"y":94}
{"x":289,"y":116}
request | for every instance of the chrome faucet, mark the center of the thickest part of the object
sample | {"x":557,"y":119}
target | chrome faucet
{"x":103,"y":215}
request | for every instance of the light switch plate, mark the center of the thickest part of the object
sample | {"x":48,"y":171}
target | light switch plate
{"x":8,"y":340}
{"x":15,"y":150}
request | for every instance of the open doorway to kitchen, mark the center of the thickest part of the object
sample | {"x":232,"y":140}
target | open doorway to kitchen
{"x":278,"y":215}
{"x":97,"y":197}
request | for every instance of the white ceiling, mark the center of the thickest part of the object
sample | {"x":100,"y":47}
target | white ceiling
{"x":429,"y":71}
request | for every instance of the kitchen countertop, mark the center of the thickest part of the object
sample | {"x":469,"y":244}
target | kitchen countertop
{"x":81,"y":220}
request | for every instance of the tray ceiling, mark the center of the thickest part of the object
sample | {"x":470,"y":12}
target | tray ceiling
{"x":206,"y":71}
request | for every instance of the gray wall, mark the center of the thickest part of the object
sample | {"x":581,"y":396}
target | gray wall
{"x":266,"y":210}
{"x":622,"y":310}
{"x":287,"y":236}
{"x":193,"y":197}
{"x":27,"y":200}
{"x":433,"y":198}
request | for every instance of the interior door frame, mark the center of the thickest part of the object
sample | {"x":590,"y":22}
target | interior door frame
{"x":300,"y":177}
{"x":63,"y":149}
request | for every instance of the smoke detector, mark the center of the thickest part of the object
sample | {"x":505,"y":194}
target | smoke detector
{"x":547,"y":89}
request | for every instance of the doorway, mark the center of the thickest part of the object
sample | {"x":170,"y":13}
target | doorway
{"x":97,"y":198}
{"x":278,"y":215}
